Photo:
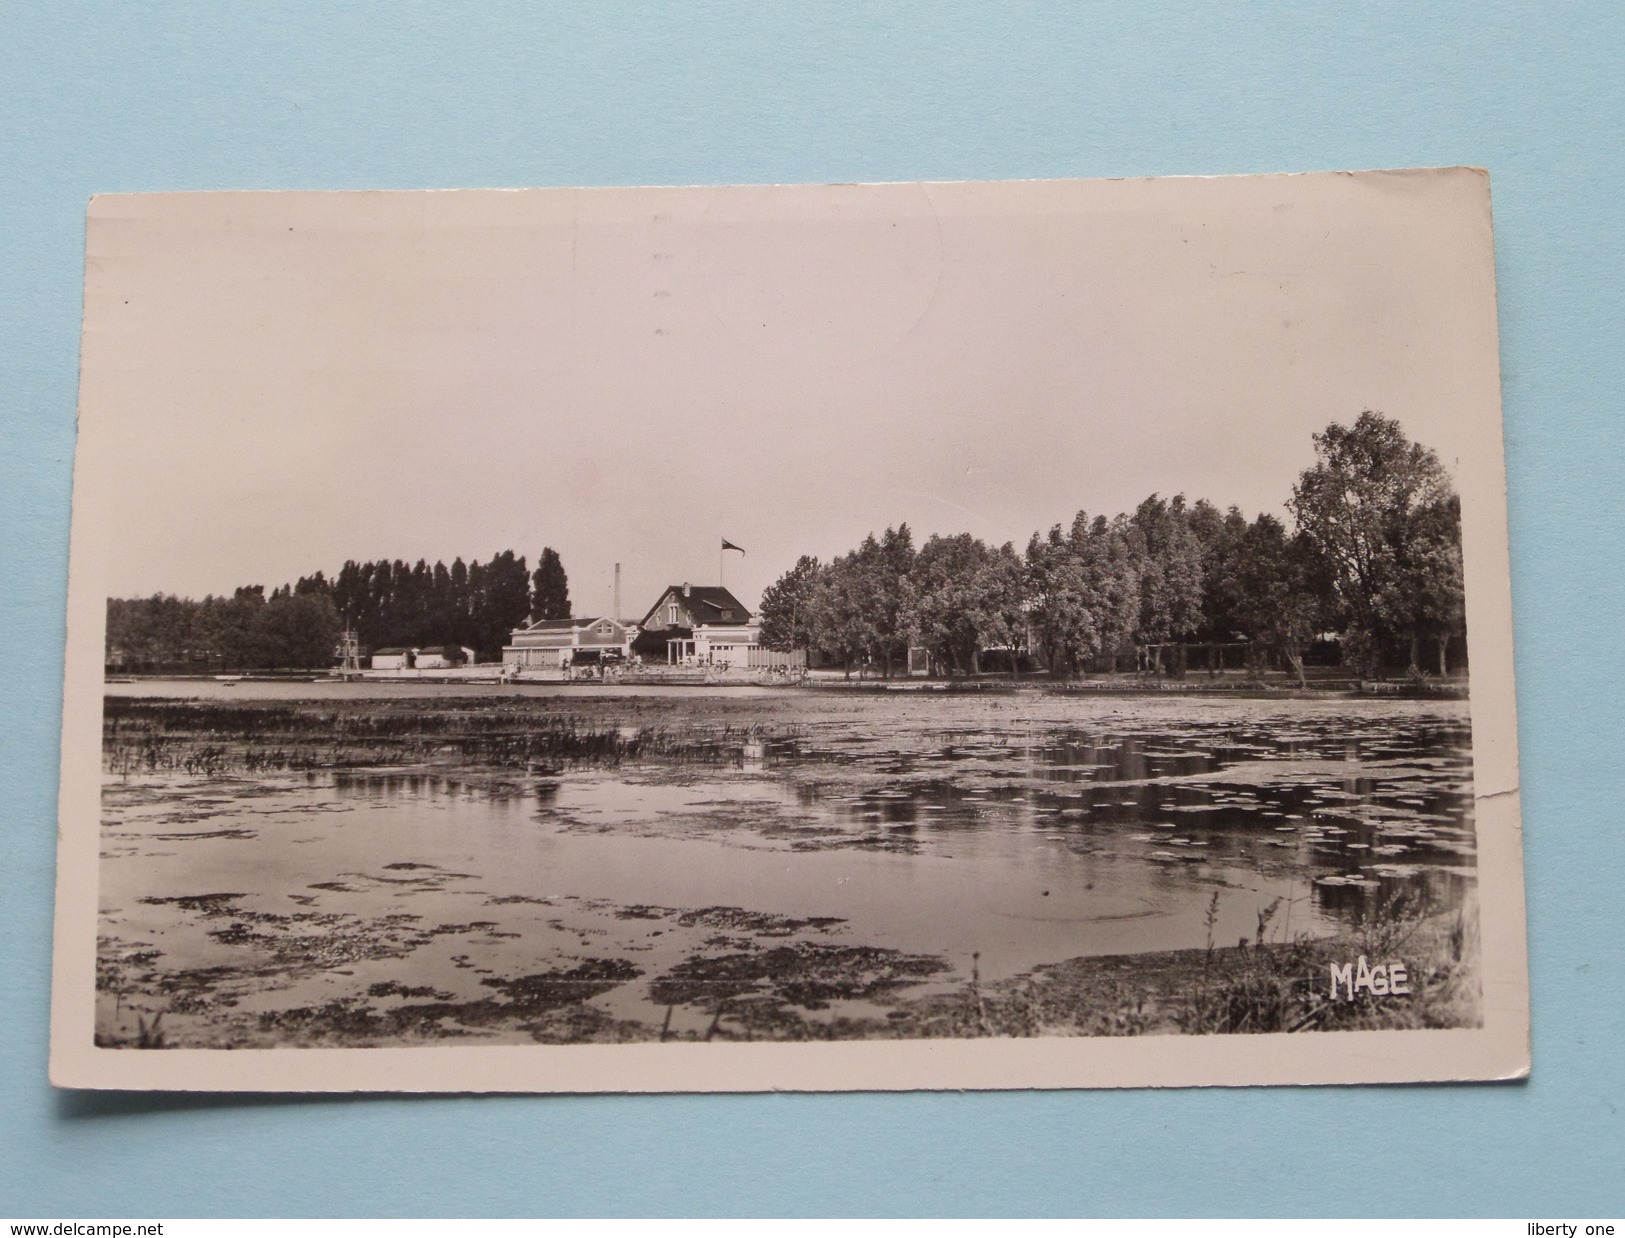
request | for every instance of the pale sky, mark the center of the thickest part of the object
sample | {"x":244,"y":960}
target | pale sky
{"x":275,"y":382}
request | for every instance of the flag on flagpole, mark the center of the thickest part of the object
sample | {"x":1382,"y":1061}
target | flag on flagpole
{"x":727,"y":545}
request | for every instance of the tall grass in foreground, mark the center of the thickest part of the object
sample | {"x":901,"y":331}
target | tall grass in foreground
{"x":1260,"y":986}
{"x":1255,"y":986}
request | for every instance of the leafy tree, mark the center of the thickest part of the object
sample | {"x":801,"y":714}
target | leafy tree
{"x":387,"y":602}
{"x":1120,"y":583}
{"x":864,"y":595}
{"x":1171,"y":571}
{"x":1082,"y":593}
{"x":419,"y":606}
{"x":1001,"y":586}
{"x":443,"y":610}
{"x":383,"y":611}
{"x":942,"y":604}
{"x":550,"y":591}
{"x":239,"y":628}
{"x":476,"y":625}
{"x":153,"y":631}
{"x":1058,"y":620}
{"x":844,"y":616}
{"x":462,"y":604}
{"x":964,"y":597}
{"x":891,"y":561}
{"x":351,"y":594}
{"x":499,"y":601}
{"x":1424,"y":595}
{"x":788,"y":611}
{"x":1283,"y":589}
{"x":1219,"y":536}
{"x":1359,"y":505}
{"x":295,"y":630}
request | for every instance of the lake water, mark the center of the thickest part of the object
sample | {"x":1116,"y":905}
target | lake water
{"x":889,"y":846}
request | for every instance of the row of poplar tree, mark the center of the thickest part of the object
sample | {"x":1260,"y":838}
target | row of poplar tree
{"x":388,"y":603}
{"x":1374,"y":554}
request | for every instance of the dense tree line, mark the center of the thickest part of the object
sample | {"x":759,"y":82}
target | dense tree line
{"x":388,"y":603}
{"x":1375,"y":557}
{"x":246,"y":631}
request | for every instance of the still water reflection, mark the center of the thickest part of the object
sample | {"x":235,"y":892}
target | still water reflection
{"x":993,"y":835}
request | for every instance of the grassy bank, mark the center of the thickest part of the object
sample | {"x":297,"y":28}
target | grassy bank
{"x":1251,"y":987}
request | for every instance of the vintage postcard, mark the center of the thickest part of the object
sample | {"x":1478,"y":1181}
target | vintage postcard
{"x":972,"y":635}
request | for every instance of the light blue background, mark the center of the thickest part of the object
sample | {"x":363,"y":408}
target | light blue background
{"x":122,"y":96}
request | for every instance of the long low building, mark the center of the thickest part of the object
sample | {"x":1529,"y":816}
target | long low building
{"x":429,"y":658}
{"x":551,"y":644}
{"x":442,"y":657}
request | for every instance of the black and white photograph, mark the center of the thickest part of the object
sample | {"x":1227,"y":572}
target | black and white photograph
{"x":1049,"y":633}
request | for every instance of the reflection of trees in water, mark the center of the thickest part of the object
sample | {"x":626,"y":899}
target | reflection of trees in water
{"x":1419,"y":891}
{"x":1098,"y":785}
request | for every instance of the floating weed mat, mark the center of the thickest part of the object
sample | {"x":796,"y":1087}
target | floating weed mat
{"x":531,"y":1003}
{"x":750,"y":994}
{"x":201,"y":738}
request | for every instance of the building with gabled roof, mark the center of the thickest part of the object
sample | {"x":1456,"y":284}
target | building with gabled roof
{"x":551,"y":644}
{"x":703,"y":623}
{"x":691,"y":606}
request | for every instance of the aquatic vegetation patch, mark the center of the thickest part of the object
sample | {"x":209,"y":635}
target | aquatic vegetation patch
{"x":547,"y":990}
{"x":203,"y":904}
{"x":898,"y":844}
{"x":805,"y":974}
{"x":763,"y":924}
{"x":537,"y":735}
{"x":393,"y":988}
{"x":525,"y":999}
{"x":196,"y":835}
